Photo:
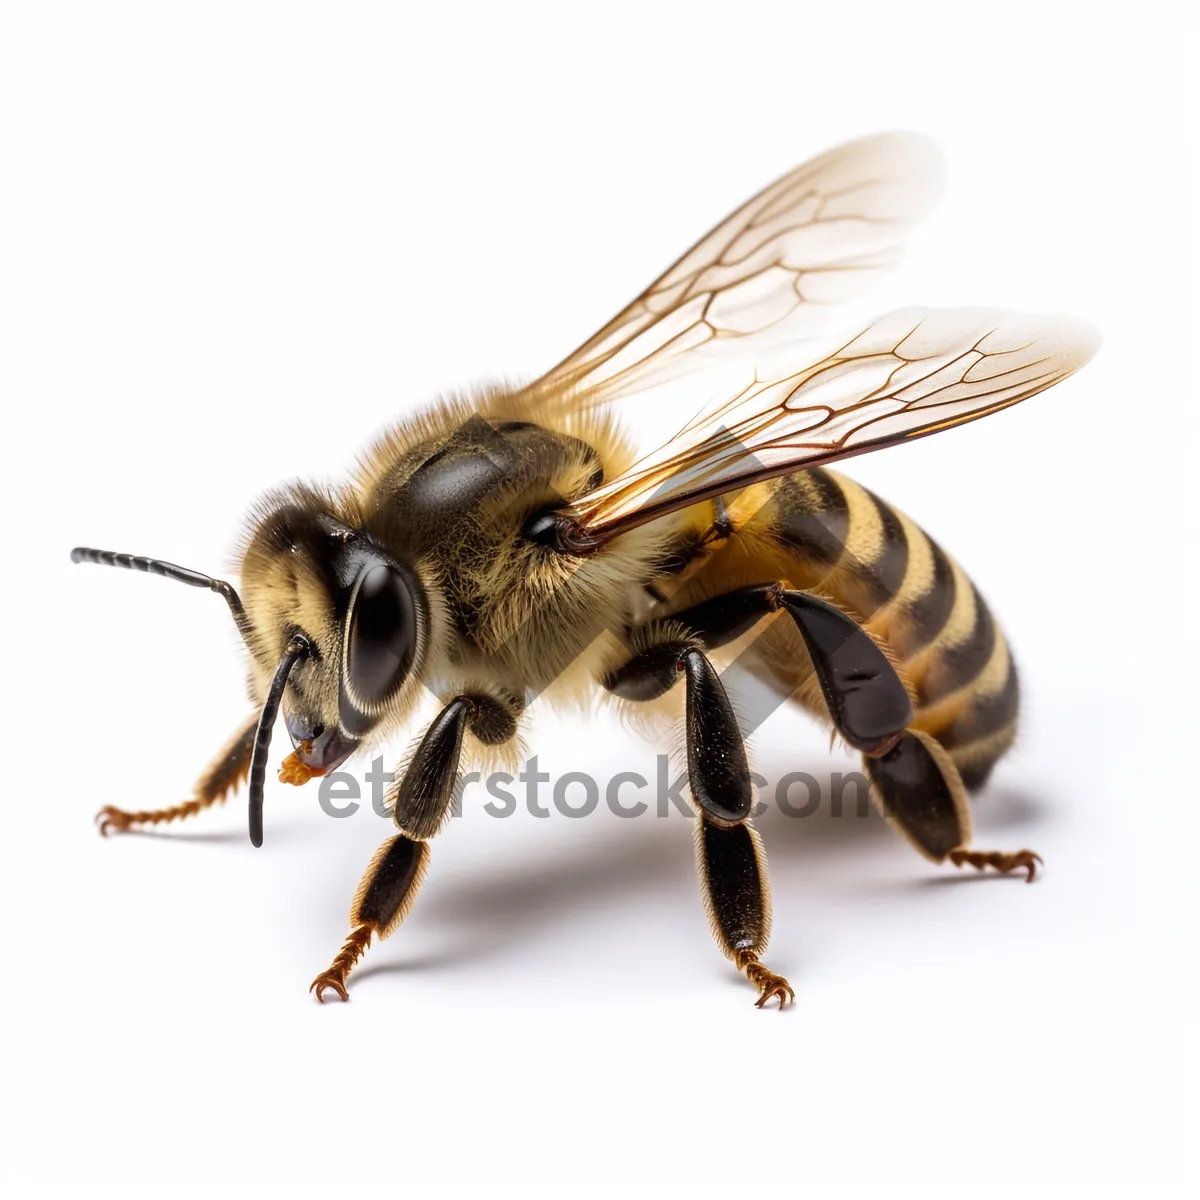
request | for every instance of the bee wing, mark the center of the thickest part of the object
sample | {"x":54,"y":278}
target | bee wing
{"x":813,"y":238}
{"x":911,"y":373}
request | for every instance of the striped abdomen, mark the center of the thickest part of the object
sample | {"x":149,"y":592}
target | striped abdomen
{"x":840,"y":539}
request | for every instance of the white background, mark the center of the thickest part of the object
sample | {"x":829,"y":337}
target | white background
{"x":237,"y":239}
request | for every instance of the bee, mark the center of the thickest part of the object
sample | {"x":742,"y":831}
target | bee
{"x":510,"y":542}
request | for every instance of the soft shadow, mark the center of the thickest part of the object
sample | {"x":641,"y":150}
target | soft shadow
{"x":440,"y":960}
{"x":1001,"y":806}
{"x":956,"y":876}
{"x":218,"y":837}
{"x":499,"y":907}
{"x":281,"y":834}
{"x":641,"y":859}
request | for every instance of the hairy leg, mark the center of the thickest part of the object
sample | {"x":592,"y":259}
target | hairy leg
{"x":420,"y":804}
{"x":729,"y":855}
{"x":384,"y":897}
{"x":228,"y":769}
{"x":918,"y":789}
{"x":737,"y":898}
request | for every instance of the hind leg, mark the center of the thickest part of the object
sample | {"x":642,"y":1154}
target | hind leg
{"x":920,"y":792}
{"x":914,"y":781}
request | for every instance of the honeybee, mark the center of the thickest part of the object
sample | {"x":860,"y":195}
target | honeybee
{"x":509,"y":541}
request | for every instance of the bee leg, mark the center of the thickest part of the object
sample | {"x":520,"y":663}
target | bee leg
{"x":737,"y":898}
{"x":729,"y":854}
{"x":914,"y":782}
{"x":420,"y":804}
{"x":730,"y":859}
{"x":867,"y":701}
{"x":919,"y":791}
{"x":228,"y":769}
{"x":387,"y":892}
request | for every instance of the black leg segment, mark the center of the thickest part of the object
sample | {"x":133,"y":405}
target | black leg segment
{"x":423,"y":796}
{"x":717,"y":769}
{"x":733,"y":874}
{"x":722,"y":619}
{"x":919,"y":792}
{"x":718,"y":772}
{"x":735,"y":886}
{"x":421,"y":802}
{"x":733,"y":870}
{"x":383,"y":899}
{"x":867,"y":700}
{"x":649,"y":673}
{"x":422,"y":799}
{"x":390,"y":884}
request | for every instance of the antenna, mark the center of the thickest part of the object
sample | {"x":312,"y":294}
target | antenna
{"x":154,"y":566}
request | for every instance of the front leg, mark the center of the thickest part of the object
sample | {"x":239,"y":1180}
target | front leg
{"x":387,"y":892}
{"x":420,"y":804}
{"x":228,"y":769}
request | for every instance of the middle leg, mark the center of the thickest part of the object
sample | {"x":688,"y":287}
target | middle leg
{"x":737,"y":898}
{"x":729,"y":853}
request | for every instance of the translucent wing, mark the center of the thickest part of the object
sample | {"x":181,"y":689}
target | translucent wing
{"x":911,"y":373}
{"x":813,"y":238}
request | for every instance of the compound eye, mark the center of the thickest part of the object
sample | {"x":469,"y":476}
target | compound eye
{"x":383,"y":635}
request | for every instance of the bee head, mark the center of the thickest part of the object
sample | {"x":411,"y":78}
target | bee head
{"x":359,"y":619}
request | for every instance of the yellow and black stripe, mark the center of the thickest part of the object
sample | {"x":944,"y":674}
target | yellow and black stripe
{"x":826,"y":533}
